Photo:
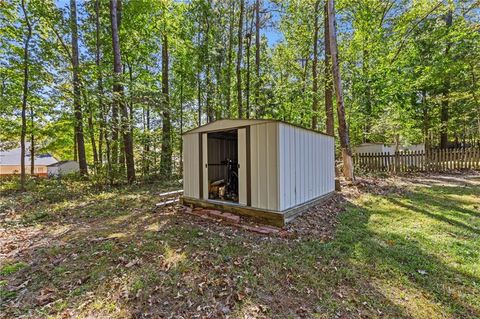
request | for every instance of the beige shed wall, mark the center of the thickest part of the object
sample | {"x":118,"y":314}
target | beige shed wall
{"x":191,"y":165}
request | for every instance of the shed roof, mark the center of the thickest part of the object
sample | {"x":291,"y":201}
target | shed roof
{"x":60,"y":163}
{"x":236,"y":123}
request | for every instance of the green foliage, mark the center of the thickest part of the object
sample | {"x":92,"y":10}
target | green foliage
{"x":12,"y":268}
{"x":400,"y":63}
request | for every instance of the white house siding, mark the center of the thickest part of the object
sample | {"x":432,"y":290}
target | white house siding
{"x":306,"y":165}
{"x":414,"y":148}
{"x":264,"y":166}
{"x":370,"y":148}
{"x":191,"y":165}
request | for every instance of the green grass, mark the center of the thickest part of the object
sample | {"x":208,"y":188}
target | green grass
{"x":414,"y":255}
{"x":11,"y":269}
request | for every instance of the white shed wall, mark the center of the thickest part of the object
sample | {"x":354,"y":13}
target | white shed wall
{"x":63,"y":168}
{"x":306,"y":165}
{"x":52,"y":171}
{"x":191,"y":165}
{"x":264,"y":166}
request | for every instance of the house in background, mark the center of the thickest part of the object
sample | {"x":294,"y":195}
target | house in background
{"x":374,"y":148}
{"x":365,"y":148}
{"x":10,"y":162}
{"x":62,"y":168}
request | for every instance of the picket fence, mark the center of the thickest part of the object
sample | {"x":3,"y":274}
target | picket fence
{"x":433,"y":160}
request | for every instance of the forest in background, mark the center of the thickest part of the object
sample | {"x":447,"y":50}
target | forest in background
{"x":113,"y":84}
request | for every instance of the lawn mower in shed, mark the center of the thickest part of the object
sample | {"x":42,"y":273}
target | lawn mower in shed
{"x":226,"y":189}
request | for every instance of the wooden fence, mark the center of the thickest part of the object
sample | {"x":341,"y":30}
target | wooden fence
{"x":434,"y":160}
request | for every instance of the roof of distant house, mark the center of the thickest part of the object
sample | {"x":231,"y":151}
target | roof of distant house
{"x":13,"y":156}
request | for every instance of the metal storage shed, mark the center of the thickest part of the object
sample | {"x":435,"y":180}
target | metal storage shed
{"x":265,"y":169}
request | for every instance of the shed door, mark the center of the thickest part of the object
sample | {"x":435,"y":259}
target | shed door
{"x":205,"y":165}
{"x":242,"y":166}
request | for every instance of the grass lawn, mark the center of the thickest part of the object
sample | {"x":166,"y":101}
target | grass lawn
{"x":410,"y":250}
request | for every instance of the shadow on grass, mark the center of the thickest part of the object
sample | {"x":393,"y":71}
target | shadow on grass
{"x":390,"y":256}
{"x":438,"y":216}
{"x":160,"y":264}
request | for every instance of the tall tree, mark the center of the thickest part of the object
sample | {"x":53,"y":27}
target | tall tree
{"x":230,"y":58}
{"x":101,"y":107}
{"x":118,"y":93}
{"x":342,"y":123}
{"x":239,"y":60}
{"x":77,"y":107}
{"x":316,"y":13}
{"x":166,"y":155}
{"x":26,"y":64}
{"x":446,"y":88}
{"x":329,"y":124}
{"x":248,"y":36}
{"x":258,"y":80}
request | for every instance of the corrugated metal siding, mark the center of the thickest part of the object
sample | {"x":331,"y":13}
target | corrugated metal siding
{"x":289,"y":165}
{"x":306,"y":161}
{"x":242,"y":169}
{"x":204,"y":165}
{"x":191,"y":166}
{"x":264,"y":166}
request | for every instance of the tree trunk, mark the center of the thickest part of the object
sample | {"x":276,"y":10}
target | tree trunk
{"x":368,"y":95}
{"x":259,"y":109}
{"x":181,"y":123}
{"x":101,"y":108}
{"x":328,"y":79}
{"x":475,"y":98}
{"x":342,"y":124}
{"x":199,"y":87}
{"x":426,"y":120}
{"x":446,"y":90}
{"x":75,"y":152}
{"x":26,"y":63}
{"x":82,"y":159}
{"x":146,"y":131}
{"x":114,"y":125}
{"x":32,"y":142}
{"x":166,"y":153}
{"x":230,"y":59}
{"x":208,"y":84}
{"x":118,"y":93}
{"x":247,"y":84}
{"x":91,"y":127}
{"x":208,"y":74}
{"x":314,"y":67}
{"x":239,"y":60}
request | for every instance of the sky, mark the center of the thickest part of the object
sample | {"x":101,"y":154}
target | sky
{"x":273,"y":35}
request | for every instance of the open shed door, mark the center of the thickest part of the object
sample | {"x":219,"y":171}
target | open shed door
{"x":205,"y":185}
{"x":242,"y":166}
